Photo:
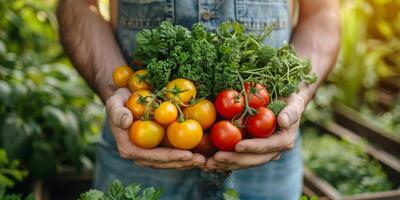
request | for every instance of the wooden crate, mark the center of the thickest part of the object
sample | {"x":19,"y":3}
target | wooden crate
{"x":363,"y":127}
{"x":390,"y":164}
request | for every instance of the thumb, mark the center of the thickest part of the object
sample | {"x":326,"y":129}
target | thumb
{"x":292,"y":112}
{"x":119,"y":114}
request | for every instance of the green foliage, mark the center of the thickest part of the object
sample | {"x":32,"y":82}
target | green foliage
{"x":175,"y":52}
{"x":276,"y":106}
{"x":117,"y":191}
{"x":389,"y":120}
{"x":49,"y":118}
{"x":4,"y":196}
{"x":344,"y":165}
{"x":213,"y":60}
{"x":303,"y":197}
{"x":230,"y":194}
{"x":10,"y":171}
{"x":370,"y":48}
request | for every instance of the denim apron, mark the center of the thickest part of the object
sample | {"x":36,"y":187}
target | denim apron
{"x":277,"y":180}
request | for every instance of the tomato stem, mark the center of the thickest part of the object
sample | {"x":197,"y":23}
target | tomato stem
{"x":152,"y":100}
{"x":247,"y":108}
{"x":181,"y":117}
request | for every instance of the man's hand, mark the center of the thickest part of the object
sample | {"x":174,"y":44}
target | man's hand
{"x":319,"y":45}
{"x":120,"y":120}
{"x":253,"y":152}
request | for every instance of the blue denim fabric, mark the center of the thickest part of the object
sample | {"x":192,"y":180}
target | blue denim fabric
{"x":277,"y":180}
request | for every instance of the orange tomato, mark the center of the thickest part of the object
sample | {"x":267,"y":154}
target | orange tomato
{"x":121,"y":76}
{"x":180,"y":90}
{"x":138,"y":101}
{"x":185,"y":135}
{"x":203,"y":112}
{"x":146,"y":134}
{"x":166,"y":113}
{"x":138,"y":81}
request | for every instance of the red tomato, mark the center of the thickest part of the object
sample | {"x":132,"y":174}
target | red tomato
{"x":229,"y":103}
{"x":257,"y":94}
{"x":205,"y":147}
{"x":262,"y":124}
{"x":225,"y":135}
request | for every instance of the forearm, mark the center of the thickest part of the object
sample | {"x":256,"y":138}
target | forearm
{"x":317,"y":37}
{"x":90,"y":44}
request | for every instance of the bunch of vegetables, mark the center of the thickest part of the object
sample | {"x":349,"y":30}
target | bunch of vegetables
{"x":193,"y":82}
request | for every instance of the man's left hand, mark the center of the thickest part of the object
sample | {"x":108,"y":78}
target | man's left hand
{"x":257,"y":151}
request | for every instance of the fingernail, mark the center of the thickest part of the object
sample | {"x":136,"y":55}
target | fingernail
{"x":285,"y":119}
{"x":240,"y":148}
{"x":123,"y":119}
{"x":187,"y":157}
{"x":198,"y":164}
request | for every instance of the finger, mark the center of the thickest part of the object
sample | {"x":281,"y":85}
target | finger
{"x":232,"y":160}
{"x":163,"y":155}
{"x":115,"y":105}
{"x":281,"y":140}
{"x":197,"y":161}
{"x":292,"y":112}
{"x":128,"y":150}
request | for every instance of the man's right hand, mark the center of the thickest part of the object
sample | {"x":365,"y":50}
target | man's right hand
{"x":120,"y":119}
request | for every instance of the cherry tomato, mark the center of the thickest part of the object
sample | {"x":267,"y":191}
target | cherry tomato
{"x":138,"y":81}
{"x":138,"y":101}
{"x":185,"y":135}
{"x":262,"y":124}
{"x":225,"y":135}
{"x":203,"y":112}
{"x":121,"y":76}
{"x":166,"y":113}
{"x":257,"y":94}
{"x":146,"y":134}
{"x":229,"y":103}
{"x":180,"y":90}
{"x":205,"y":147}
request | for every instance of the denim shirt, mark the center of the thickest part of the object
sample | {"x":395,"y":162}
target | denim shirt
{"x":254,"y":15}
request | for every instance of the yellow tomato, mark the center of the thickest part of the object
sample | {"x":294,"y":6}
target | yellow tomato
{"x":185,"y":135}
{"x":146,"y":134}
{"x":180,"y":90}
{"x":166,"y":113}
{"x":138,"y":81}
{"x":138,"y":101}
{"x":203,"y":112}
{"x":121,"y":76}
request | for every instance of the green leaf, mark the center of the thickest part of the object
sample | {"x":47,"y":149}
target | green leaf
{"x":150,"y":194}
{"x":93,"y":195}
{"x":231,"y":194}
{"x":132,"y":191}
{"x":115,"y":191}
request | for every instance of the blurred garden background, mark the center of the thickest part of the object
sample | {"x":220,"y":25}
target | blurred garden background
{"x":50,"y":120}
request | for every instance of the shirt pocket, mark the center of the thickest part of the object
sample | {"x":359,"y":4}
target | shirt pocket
{"x":257,"y":15}
{"x":139,"y":14}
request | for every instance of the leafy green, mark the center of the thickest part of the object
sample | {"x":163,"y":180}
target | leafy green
{"x":10,"y":171}
{"x":230,"y":194}
{"x":117,"y":191}
{"x":49,"y":117}
{"x":174,"y":52}
{"x":213,"y":60}
{"x":276,"y":106}
{"x":344,"y":165}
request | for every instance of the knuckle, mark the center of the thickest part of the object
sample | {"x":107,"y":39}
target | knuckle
{"x":220,"y":158}
{"x":124,"y":153}
{"x":290,"y":145}
{"x":277,"y":157}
